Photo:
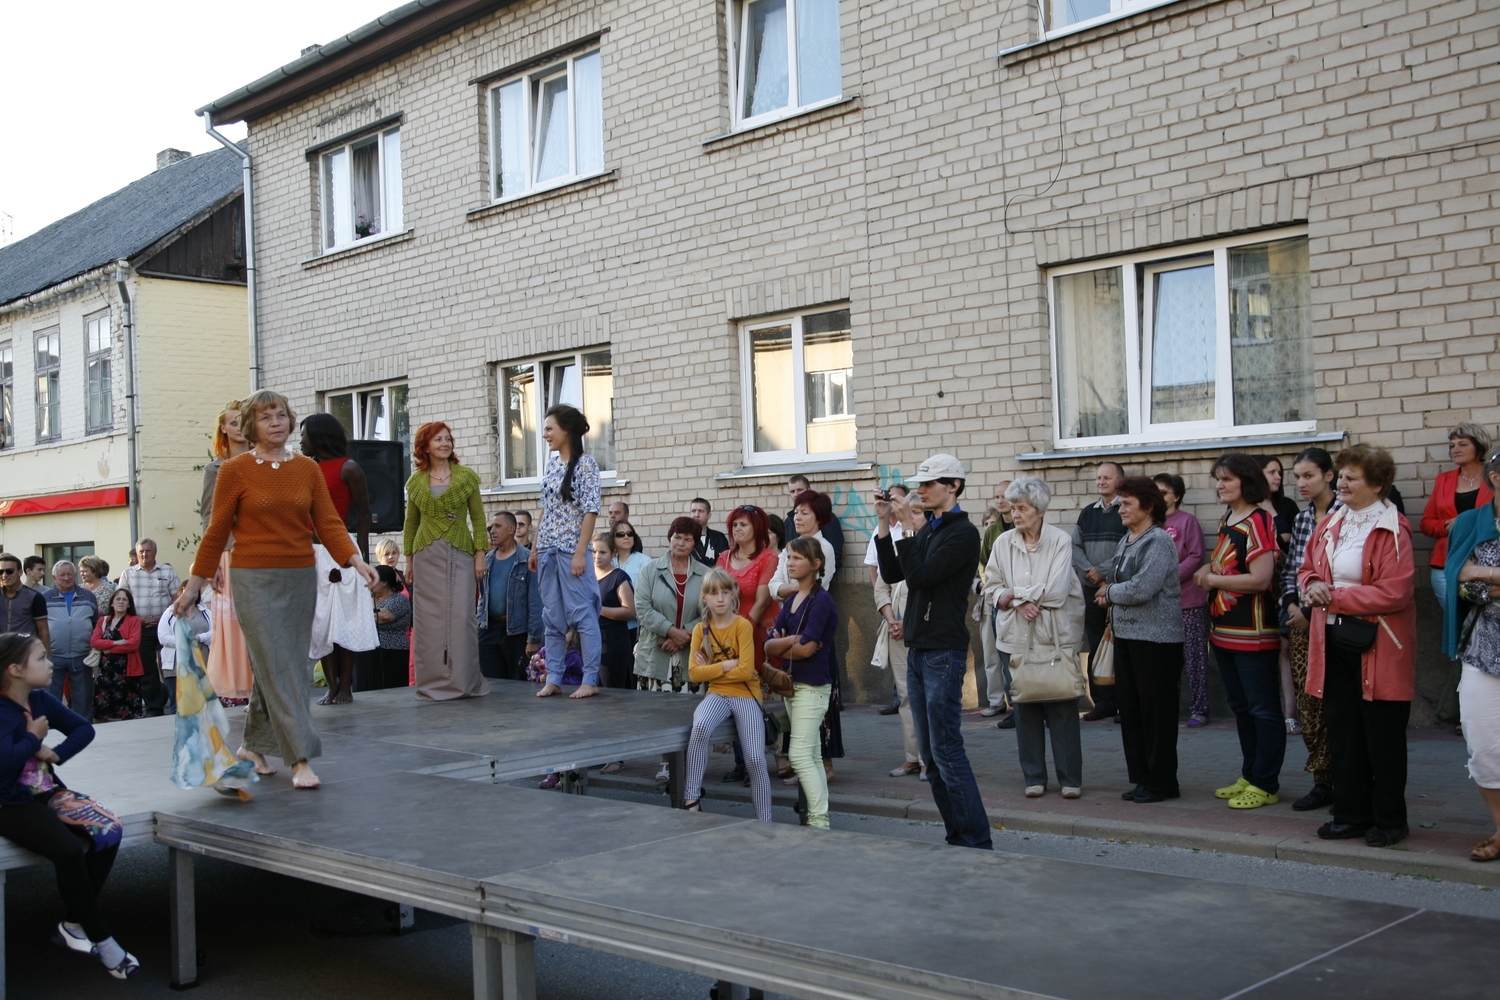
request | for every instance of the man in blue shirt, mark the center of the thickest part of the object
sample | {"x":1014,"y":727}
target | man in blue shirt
{"x":510,"y":607}
{"x":71,"y":612}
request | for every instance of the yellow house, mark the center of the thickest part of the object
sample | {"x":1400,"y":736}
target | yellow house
{"x":138,"y":298}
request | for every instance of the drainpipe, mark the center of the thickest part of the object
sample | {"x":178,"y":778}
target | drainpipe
{"x":208,"y":126}
{"x":127,"y":322}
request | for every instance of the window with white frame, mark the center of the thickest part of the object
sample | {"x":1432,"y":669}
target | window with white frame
{"x":361,"y":189}
{"x":97,"y":346}
{"x":1185,"y":344}
{"x":7,"y":396}
{"x":547,"y":127}
{"x":1062,"y":16}
{"x":376,"y":413}
{"x":48,"y":389}
{"x":784,"y":57}
{"x":799,"y":388}
{"x":584,"y":379}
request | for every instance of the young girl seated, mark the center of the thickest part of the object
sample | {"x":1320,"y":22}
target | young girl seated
{"x":723,"y":657}
{"x":38,"y":813}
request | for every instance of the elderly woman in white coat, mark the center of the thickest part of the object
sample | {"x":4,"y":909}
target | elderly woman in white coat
{"x":1030,"y":582}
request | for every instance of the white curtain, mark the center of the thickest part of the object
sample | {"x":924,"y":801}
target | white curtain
{"x":765,"y":85}
{"x":588,"y":106}
{"x":819,"y":67}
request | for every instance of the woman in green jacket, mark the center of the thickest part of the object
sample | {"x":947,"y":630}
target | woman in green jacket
{"x":444,"y":517}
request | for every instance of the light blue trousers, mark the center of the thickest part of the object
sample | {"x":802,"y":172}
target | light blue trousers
{"x":569,"y":603}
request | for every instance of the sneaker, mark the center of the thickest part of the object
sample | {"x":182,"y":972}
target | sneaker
{"x":1230,"y":791}
{"x":1071,"y":793}
{"x":127,"y":967}
{"x":72,"y":938}
{"x":1197,"y":721}
{"x":910,"y":767}
{"x":1035,"y":791}
{"x":992,"y":711}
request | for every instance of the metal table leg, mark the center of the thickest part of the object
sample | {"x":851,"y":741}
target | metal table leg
{"x":677,"y":785}
{"x":504,"y":964}
{"x":2,"y":934}
{"x":576,"y":782}
{"x":184,"y":974}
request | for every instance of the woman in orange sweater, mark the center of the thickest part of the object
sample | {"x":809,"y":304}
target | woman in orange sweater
{"x":723,"y":648}
{"x":273,"y":499}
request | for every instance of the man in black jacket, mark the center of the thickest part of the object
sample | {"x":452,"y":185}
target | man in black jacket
{"x":937,"y":561}
{"x":711,"y":543}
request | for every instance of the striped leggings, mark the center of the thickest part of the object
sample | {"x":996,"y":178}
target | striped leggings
{"x":709,"y":715}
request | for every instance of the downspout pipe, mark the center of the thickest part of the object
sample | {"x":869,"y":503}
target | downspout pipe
{"x":250,"y":273}
{"x":127,"y":323}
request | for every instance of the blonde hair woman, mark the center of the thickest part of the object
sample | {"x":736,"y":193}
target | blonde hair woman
{"x":272,"y":499}
{"x":228,"y":657}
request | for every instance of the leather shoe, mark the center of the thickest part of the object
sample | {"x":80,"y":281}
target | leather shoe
{"x":738,"y":774}
{"x":1341,"y":831}
{"x":1130,"y":795}
{"x":891,"y":709}
{"x":1320,"y":796}
{"x":1376,"y":837}
{"x":1147,"y":795}
{"x":1096,"y":713}
{"x":1009,"y":722}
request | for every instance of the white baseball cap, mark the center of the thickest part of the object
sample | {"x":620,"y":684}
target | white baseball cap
{"x":939,"y":466}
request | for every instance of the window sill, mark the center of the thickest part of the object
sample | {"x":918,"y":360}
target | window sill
{"x":360,"y":247}
{"x":1066,"y":38}
{"x":793,"y":468}
{"x":531,"y":197}
{"x":1166,"y":447}
{"x":797,"y":119}
{"x":532,"y":489}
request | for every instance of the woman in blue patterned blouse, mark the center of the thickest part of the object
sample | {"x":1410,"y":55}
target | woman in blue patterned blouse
{"x":570,"y":505}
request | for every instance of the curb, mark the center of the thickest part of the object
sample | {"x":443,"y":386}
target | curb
{"x":1389,"y":860}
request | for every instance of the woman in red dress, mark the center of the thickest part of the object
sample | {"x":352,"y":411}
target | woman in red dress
{"x":751,"y":561}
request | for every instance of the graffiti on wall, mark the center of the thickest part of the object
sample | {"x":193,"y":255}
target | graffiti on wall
{"x":854,"y":509}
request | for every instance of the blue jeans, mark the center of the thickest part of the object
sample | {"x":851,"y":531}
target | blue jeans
{"x":81,"y":684}
{"x":1252,"y":686}
{"x":1440,"y":586}
{"x":935,"y":691}
{"x":569,"y":603}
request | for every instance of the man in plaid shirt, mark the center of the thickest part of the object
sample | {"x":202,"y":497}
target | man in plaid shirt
{"x":154,"y":586}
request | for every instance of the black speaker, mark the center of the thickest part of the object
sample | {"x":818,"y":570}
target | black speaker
{"x":384,"y":464}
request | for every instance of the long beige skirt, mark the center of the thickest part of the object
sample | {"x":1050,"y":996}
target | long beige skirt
{"x":445,"y":634}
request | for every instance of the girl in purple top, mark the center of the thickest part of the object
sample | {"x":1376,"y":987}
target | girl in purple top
{"x":1187,"y":533}
{"x":803,"y":638}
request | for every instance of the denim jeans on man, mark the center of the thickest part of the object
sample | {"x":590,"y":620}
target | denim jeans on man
{"x":80,"y":679}
{"x":569,"y":603}
{"x":935,"y":688}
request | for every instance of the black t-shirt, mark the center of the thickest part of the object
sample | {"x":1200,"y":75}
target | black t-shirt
{"x":14,"y":613}
{"x":1465,"y":501}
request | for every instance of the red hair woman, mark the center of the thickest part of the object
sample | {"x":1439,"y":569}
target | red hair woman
{"x":444,"y":562}
{"x":752,"y":562}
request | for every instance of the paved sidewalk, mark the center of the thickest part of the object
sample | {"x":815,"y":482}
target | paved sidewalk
{"x":1447,"y":816}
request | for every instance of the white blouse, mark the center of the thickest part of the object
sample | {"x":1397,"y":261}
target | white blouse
{"x":1347,"y":557}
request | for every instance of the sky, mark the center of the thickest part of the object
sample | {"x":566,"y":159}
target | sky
{"x":90,"y":90}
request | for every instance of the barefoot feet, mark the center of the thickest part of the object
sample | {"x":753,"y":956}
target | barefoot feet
{"x":548,"y":691}
{"x":303,"y":776}
{"x":584,"y":691}
{"x":261,"y":767}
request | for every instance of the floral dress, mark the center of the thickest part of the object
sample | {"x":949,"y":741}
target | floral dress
{"x":117,"y":695}
{"x":1482,"y":652}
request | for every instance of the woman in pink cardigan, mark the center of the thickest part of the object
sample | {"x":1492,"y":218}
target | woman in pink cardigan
{"x":1359,"y":573}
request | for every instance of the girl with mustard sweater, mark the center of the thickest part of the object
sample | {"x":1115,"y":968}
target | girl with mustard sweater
{"x":723,"y":647}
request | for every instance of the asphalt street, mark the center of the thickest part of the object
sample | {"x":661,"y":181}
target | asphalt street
{"x":262,"y":937}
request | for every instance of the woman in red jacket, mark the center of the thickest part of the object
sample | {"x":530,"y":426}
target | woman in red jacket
{"x":117,"y":637}
{"x":1454,"y":492}
{"x":1358,"y":577}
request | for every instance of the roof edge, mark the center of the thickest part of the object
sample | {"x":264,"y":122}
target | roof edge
{"x":59,"y":289}
{"x":392,"y":33}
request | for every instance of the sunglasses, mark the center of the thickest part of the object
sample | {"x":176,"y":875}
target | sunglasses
{"x":6,"y":572}
{"x":624,"y":534}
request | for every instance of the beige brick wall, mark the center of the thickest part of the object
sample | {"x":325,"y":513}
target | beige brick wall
{"x":932,"y":204}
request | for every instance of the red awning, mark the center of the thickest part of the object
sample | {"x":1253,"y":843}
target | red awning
{"x":53,"y":503}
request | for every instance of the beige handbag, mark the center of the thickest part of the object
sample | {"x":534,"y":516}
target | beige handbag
{"x":1045,"y":671}
{"x":1102,"y":663}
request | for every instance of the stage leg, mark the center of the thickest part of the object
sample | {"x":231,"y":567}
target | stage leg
{"x":725,"y":990}
{"x":2,"y":934}
{"x":576,"y":782}
{"x":677,"y":786}
{"x":184,"y":972}
{"x":504,"y":964}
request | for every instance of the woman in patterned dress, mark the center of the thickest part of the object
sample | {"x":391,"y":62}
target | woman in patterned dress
{"x":117,"y":636}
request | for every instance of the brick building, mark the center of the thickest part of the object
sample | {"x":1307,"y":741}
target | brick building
{"x":141,"y":292}
{"x":754,"y":237}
